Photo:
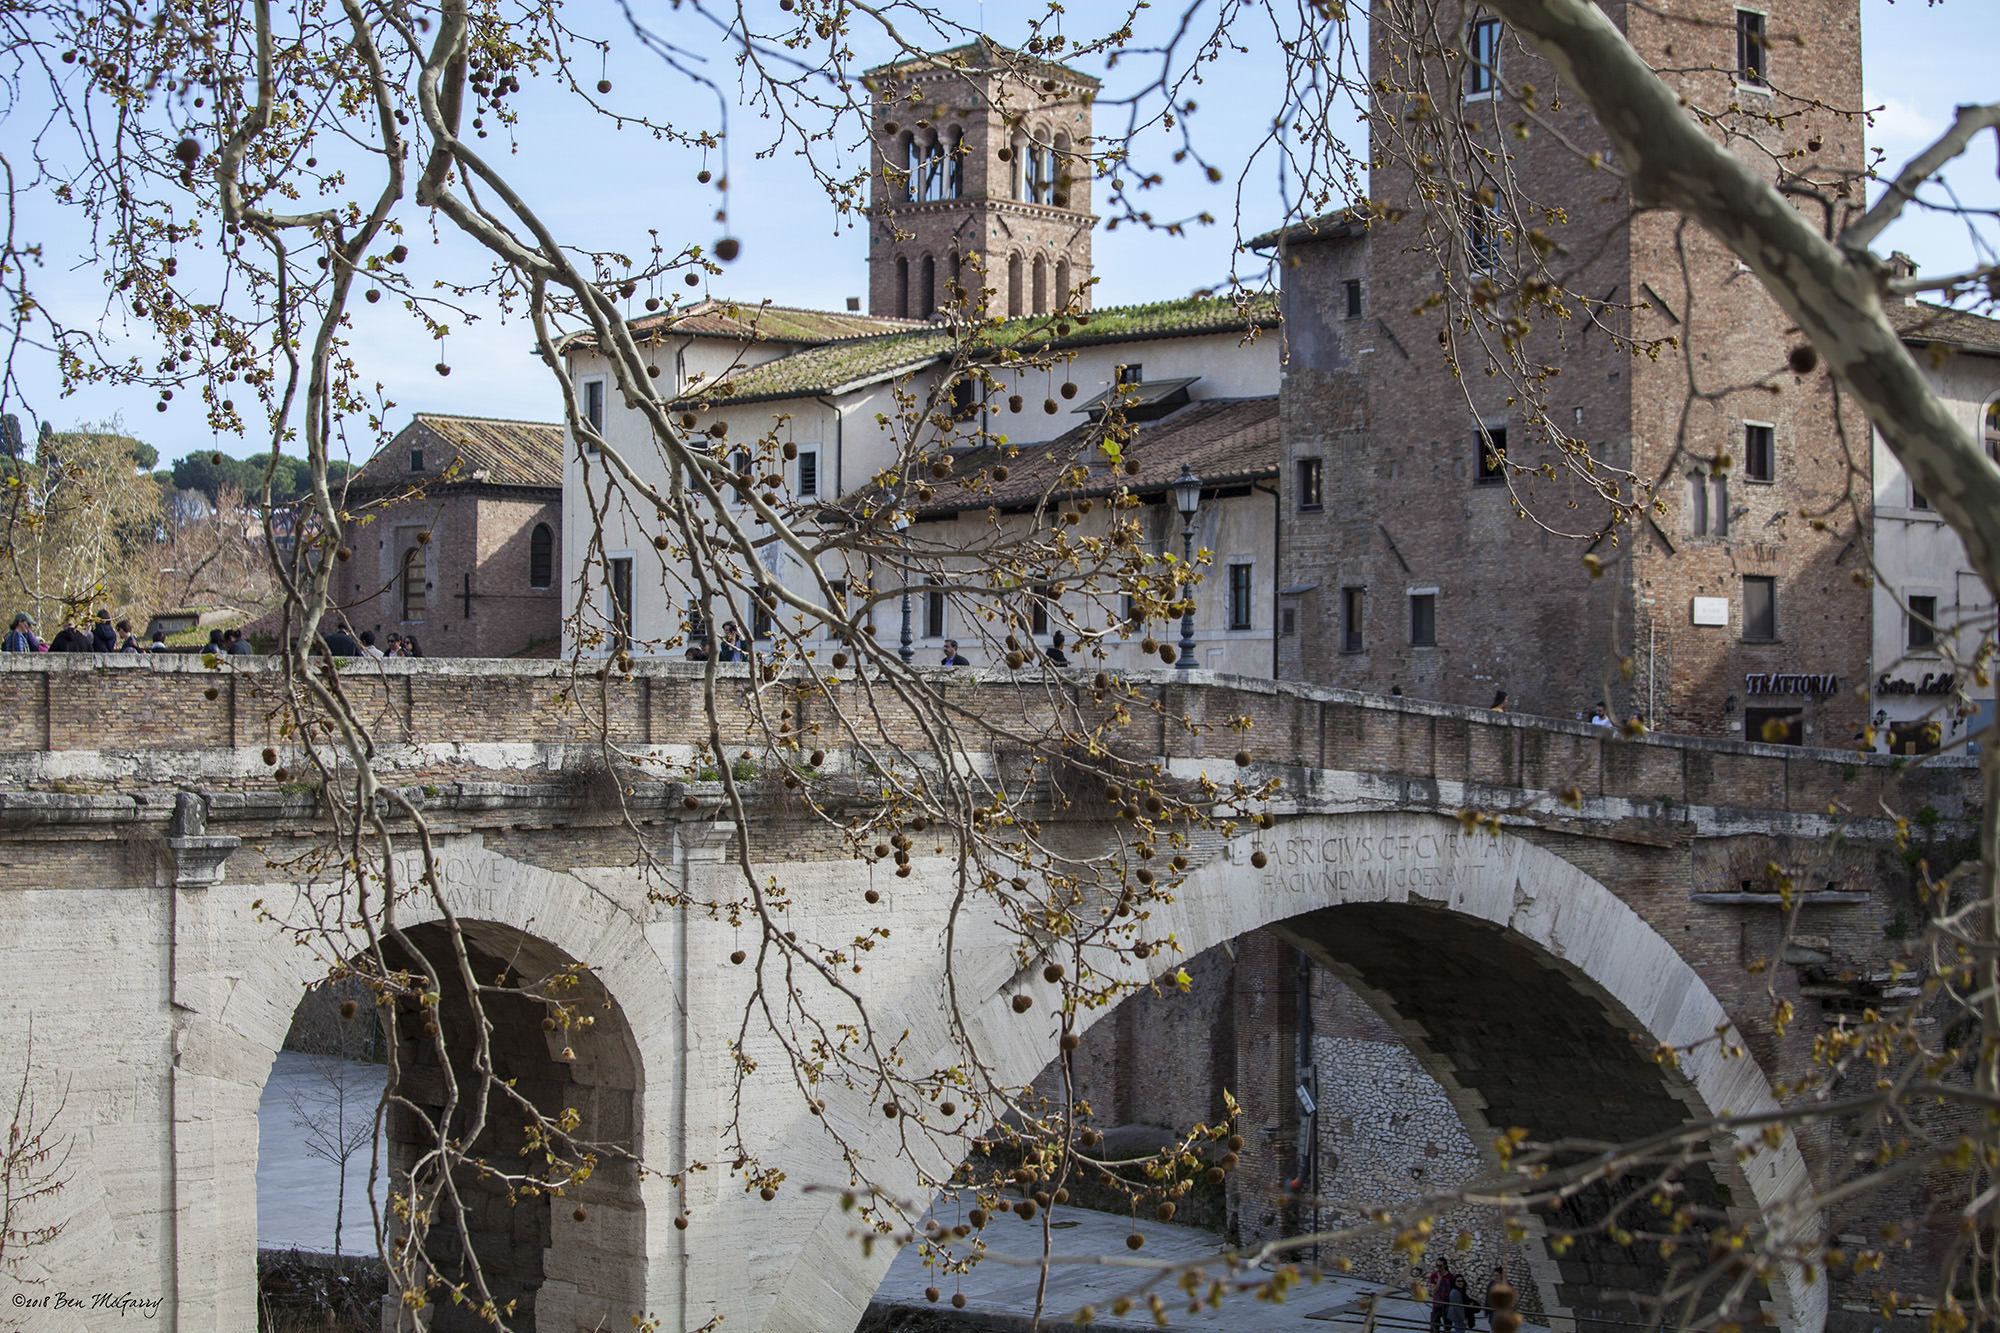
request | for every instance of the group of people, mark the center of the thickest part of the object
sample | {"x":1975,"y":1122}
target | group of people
{"x":339,"y":641}
{"x":1454,"y":1308}
{"x":103,"y":636}
{"x":732,"y":647}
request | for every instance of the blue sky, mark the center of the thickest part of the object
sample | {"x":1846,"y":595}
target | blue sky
{"x":608,"y":188}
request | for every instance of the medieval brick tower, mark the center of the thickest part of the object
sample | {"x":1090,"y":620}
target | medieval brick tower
{"x":1424,"y":574}
{"x":981,"y":184}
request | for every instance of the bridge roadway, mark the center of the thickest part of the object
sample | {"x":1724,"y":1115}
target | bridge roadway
{"x":1531,"y":969}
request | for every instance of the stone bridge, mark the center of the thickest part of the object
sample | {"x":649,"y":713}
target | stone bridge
{"x":148,"y":848}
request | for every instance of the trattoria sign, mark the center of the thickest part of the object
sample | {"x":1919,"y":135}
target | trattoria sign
{"x":1934,"y":682}
{"x":1787,"y":682}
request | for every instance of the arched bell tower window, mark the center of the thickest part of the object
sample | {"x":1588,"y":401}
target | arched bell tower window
{"x":1041,"y":284}
{"x":1059,"y":170}
{"x":1062,"y":284}
{"x":927,"y":289}
{"x":931,"y":186}
{"x":913,"y":169}
{"x":1013,"y":286}
{"x":903,"y":286}
{"x":954,"y":163}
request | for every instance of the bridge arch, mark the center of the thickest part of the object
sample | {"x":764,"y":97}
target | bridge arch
{"x":1507,"y":927}
{"x":530,"y":922}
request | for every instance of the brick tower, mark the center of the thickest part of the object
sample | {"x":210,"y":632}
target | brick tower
{"x":1726,"y":610}
{"x":981,"y":182}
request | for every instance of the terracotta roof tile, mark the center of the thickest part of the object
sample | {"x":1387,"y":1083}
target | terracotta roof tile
{"x":835,"y":367}
{"x":487,"y":449}
{"x":1225,"y":440}
{"x":1928,"y":323}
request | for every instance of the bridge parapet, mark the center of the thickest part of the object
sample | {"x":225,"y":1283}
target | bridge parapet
{"x":60,"y":714}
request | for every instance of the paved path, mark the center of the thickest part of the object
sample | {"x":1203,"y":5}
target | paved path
{"x":999,"y":1288}
{"x":310,"y":1098}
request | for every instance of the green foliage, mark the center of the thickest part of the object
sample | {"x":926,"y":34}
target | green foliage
{"x":208,"y":472}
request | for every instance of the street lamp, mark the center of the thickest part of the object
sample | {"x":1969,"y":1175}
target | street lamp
{"x":902,"y":524}
{"x":1187,"y":499}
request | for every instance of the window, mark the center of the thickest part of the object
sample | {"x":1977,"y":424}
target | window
{"x":618,"y":593}
{"x":1423,"y":620}
{"x":1132,"y":374}
{"x":1059,"y":171}
{"x":1309,"y":484}
{"x":1698,"y":502}
{"x":1482,"y":236}
{"x":903,"y":286}
{"x":761,"y":624}
{"x":1773,"y":726}
{"x":927,"y":289}
{"x":932,"y":185}
{"x":1351,"y":607}
{"x":1038,"y":610}
{"x":416,"y":460}
{"x":1014,"y":278}
{"x":1354,"y":298}
{"x":1922,"y":624}
{"x":964,"y":399}
{"x":415,"y":572}
{"x":1491,"y":442}
{"x":593,"y":405}
{"x":954,"y":164}
{"x":913,"y":169}
{"x":808,"y":473}
{"x":1760,"y":451}
{"x":1760,"y":608}
{"x":1752,"y":50}
{"x":934,"y":613}
{"x":1240,"y":596}
{"x":1288,"y":621}
{"x":1482,"y":49}
{"x":541,"y":556}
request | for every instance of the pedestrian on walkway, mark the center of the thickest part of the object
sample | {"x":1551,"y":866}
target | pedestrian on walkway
{"x":1440,"y":1288}
{"x":70,"y":639}
{"x":21,"y":636}
{"x":128,"y":642}
{"x":103,"y":634}
{"x":1458,"y":1306}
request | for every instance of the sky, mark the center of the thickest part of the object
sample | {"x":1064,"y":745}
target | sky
{"x":611,"y":188}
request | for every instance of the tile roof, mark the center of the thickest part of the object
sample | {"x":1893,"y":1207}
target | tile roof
{"x":507,"y":453}
{"x":1339,"y":224}
{"x":1225,"y":440}
{"x":757,"y":321}
{"x":1928,"y":323}
{"x":838,"y":367}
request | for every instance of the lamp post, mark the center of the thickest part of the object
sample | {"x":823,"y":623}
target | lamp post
{"x":1187,"y":499}
{"x":905,"y":651}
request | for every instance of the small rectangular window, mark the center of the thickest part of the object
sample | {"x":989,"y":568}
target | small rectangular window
{"x":1719,"y":516}
{"x":1288,"y":621}
{"x":1423,"y":620}
{"x":1309,"y":476}
{"x":1773,"y":726}
{"x":761,"y":623}
{"x":964,"y":399}
{"x":934,"y":613}
{"x":1491,"y":442}
{"x":416,"y":460}
{"x":1922,"y":623}
{"x":593,"y":405}
{"x":1352,"y":604}
{"x":618,"y":579}
{"x":1038,"y":611}
{"x":808,"y":473}
{"x":1752,"y":49}
{"x":1760,"y":451}
{"x":1482,"y":67}
{"x":1132,"y":374}
{"x":1698,"y":502}
{"x":1760,"y":608}
{"x":1354,"y":298}
{"x":1918,"y":500}
{"x":1241,"y":604}
{"x":1482,"y":236}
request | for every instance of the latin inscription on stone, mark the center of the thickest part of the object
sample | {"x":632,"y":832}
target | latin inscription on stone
{"x":1430,"y":864}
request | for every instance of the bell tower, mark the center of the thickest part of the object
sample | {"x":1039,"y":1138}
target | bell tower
{"x":981,"y":184}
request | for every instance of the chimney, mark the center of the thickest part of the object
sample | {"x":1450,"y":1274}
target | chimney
{"x":854,"y":304}
{"x":1901,"y":266}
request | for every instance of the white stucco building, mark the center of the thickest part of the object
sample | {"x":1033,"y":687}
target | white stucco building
{"x":1933,"y":618}
{"x":821,"y":422}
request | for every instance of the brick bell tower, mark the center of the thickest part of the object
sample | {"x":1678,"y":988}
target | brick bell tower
{"x":981,"y":183}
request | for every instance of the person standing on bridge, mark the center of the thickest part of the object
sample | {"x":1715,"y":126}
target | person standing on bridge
{"x":1439,"y":1284}
{"x":21,"y":636}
